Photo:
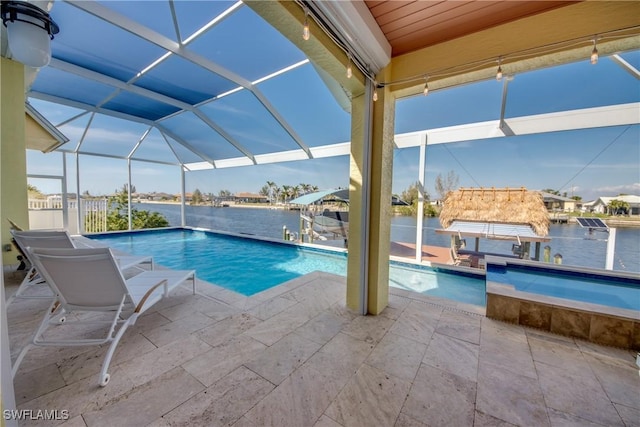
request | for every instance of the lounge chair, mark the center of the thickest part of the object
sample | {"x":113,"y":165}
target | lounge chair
{"x":462,"y":261}
{"x":59,"y":239}
{"x":89,"y":281}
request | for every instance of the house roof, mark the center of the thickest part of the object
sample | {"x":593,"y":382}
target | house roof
{"x":629,"y":198}
{"x":549,"y":196}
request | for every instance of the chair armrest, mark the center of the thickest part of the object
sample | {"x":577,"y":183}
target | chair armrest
{"x":146,"y":296}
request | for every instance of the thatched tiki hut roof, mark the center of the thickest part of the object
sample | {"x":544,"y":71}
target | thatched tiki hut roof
{"x":496,"y":205}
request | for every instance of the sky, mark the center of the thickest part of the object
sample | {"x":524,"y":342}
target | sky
{"x":587,"y":163}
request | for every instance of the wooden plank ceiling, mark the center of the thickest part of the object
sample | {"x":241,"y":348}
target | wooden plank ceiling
{"x":412,"y":25}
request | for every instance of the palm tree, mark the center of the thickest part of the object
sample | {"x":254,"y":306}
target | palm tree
{"x":295,"y":191}
{"x":286,"y":192}
{"x":271,"y":186}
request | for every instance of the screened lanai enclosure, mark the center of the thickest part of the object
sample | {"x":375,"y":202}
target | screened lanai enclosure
{"x":178,"y":96}
{"x":193,"y":95}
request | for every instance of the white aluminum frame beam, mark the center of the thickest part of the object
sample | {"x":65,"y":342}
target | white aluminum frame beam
{"x":169,"y":45}
{"x":611,"y":115}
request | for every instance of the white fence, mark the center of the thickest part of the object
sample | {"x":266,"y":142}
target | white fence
{"x":49,"y":214}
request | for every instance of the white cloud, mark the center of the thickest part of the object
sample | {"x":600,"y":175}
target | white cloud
{"x":633,"y":188}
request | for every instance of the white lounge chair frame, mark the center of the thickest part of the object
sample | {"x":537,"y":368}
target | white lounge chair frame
{"x":58,"y":239}
{"x":89,"y":280}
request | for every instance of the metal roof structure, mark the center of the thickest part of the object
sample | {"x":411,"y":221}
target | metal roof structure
{"x":149,"y":68}
{"x":307,"y":199}
{"x":213,"y":85}
{"x":492,"y":230}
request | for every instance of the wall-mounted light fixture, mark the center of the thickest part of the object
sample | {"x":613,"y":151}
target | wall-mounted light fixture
{"x":29,"y":32}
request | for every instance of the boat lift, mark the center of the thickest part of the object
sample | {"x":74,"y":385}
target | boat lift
{"x":317,"y":221}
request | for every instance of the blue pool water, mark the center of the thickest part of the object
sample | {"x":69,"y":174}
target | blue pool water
{"x":618,"y":292}
{"x":249,"y":266}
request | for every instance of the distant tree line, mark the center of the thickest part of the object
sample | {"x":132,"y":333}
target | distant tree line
{"x":284,"y":193}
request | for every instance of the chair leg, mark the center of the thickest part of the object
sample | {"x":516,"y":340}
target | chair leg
{"x":16,"y":365}
{"x":104,"y":376}
{"x":43,"y":325}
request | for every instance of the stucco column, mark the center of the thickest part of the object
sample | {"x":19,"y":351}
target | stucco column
{"x":371,"y":167}
{"x":13,"y":155}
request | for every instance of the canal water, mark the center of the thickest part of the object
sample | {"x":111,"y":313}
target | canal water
{"x":569,"y":240}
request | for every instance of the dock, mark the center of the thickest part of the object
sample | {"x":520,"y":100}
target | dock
{"x":436,"y":254}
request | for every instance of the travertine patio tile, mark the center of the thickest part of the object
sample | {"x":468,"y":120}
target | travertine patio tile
{"x":214,"y":364}
{"x":370,"y":329}
{"x":397,"y":356}
{"x":571,"y":383}
{"x":150,"y":365}
{"x":35,"y":383}
{"x":630,"y":416}
{"x":217,"y":310}
{"x":224,"y":402}
{"x":89,"y":362}
{"x":36,"y":355}
{"x":417,"y":322}
{"x":562,"y":355}
{"x":80,"y":397}
{"x":189,"y":305}
{"x":25,"y":310}
{"x":577,"y":393}
{"x":75,"y":422}
{"x":341,"y":357}
{"x":453,"y":355}
{"x":21,"y":334}
{"x":485,"y":420}
{"x":173,"y":331}
{"x":271,"y":307}
{"x":244,"y":422}
{"x":323,"y":327}
{"x":441,"y":398}
{"x":148,"y":322}
{"x":371,"y":397}
{"x":459,"y":325}
{"x":621,"y":383}
{"x":494,"y":330}
{"x":562,"y":419}
{"x":510,"y":396}
{"x":232,"y":298}
{"x":273,"y":329}
{"x":407,"y":421}
{"x":508,"y":348}
{"x":159,"y":422}
{"x":227,"y":329}
{"x":298,"y":401}
{"x":320,"y":293}
{"x":278,"y":361}
{"x":611,"y":354}
{"x":144,"y":404}
{"x":325,"y":421}
{"x":396,"y":305}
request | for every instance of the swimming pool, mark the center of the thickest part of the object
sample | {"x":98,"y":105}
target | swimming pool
{"x":620,"y":292}
{"x":249,"y":266}
{"x":600,"y":306}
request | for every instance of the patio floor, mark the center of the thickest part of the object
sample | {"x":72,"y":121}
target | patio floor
{"x":295,"y":356}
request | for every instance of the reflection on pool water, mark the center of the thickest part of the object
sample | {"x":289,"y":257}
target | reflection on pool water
{"x":249,"y":266}
{"x":620,"y":292}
